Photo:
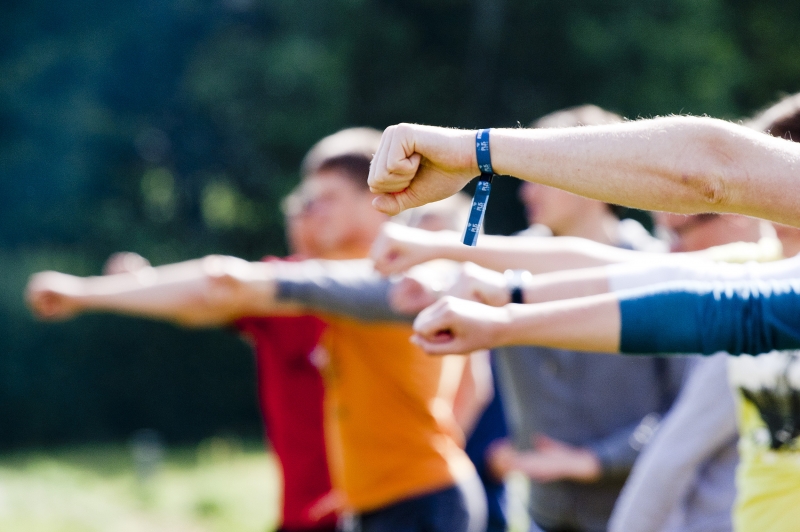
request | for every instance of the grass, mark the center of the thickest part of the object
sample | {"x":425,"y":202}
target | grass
{"x":216,"y":486}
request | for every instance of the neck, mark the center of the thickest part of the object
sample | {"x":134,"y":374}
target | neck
{"x":357,"y":247}
{"x":791,"y":246}
{"x":601,"y":228}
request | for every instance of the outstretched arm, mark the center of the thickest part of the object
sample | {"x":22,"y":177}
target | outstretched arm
{"x":678,"y":164}
{"x":487,"y":286}
{"x":637,"y":274}
{"x":686,"y":317}
{"x":398,"y":248}
{"x":454,"y":325}
{"x":211,"y":291}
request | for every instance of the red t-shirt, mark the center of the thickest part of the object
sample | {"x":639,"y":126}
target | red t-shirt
{"x":290,"y":394}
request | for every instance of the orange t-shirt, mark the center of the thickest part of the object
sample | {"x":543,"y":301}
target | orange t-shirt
{"x":389,"y":422}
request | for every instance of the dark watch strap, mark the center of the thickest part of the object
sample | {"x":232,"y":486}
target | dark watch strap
{"x":516,"y":284}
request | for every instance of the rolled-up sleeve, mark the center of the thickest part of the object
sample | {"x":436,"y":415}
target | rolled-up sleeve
{"x":689,"y":317}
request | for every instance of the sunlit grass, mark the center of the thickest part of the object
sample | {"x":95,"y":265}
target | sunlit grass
{"x":217,"y":486}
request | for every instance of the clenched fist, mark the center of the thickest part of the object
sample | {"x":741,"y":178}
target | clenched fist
{"x":54,"y":296}
{"x":417,"y":164}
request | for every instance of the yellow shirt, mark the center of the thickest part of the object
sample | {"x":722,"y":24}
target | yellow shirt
{"x":767,"y":481}
{"x":389,"y":421}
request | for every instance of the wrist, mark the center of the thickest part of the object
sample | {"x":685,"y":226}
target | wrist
{"x":436,"y":245}
{"x":474,"y":166}
{"x":457,"y":146}
{"x":81,"y":299}
{"x":500,"y":329}
{"x":516,"y":282}
{"x":503,"y":141}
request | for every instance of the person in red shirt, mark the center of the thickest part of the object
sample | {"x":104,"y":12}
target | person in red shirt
{"x":290,"y":388}
{"x":290,"y":392}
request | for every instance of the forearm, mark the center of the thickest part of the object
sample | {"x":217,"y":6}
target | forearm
{"x":534,"y":254}
{"x":400,"y":248}
{"x":683,"y":317}
{"x":672,"y":268}
{"x":566,"y":285}
{"x":475,"y":391}
{"x":555,"y":324}
{"x":679,"y":164}
{"x":544,"y":255}
{"x":196,"y":293}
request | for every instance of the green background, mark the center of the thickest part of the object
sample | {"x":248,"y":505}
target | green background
{"x":173,"y":128}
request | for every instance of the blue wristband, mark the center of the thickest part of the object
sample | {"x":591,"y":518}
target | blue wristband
{"x":481,"y":197}
{"x":478,"y":211}
{"x":482,"y":152}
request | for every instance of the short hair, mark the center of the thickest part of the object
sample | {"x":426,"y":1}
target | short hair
{"x":581,"y":115}
{"x":781,"y":119}
{"x":349,"y":151}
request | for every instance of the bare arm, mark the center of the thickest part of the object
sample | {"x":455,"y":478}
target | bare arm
{"x":201,"y":293}
{"x":751,"y":317}
{"x":678,"y":164}
{"x":454,"y":325}
{"x":475,"y":391}
{"x":398,"y":248}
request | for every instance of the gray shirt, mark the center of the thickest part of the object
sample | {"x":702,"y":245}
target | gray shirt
{"x":607,"y":403}
{"x":684,"y":479}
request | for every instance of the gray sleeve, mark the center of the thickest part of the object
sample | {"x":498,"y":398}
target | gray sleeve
{"x":618,"y":451}
{"x":701,"y":423}
{"x":349,"y":288}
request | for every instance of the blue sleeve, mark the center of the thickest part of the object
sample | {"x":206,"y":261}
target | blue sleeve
{"x":689,"y":317}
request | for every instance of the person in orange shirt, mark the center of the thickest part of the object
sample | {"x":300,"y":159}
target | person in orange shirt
{"x":393,"y":442}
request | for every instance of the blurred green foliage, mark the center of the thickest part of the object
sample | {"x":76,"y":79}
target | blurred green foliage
{"x":173,"y":127}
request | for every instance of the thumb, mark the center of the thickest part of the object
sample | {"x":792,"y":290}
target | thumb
{"x":393,"y":203}
{"x":433,"y":321}
{"x":442,"y":343}
{"x":387,"y":204}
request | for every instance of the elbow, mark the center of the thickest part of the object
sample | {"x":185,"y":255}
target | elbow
{"x":218,"y":297}
{"x":709,"y":190}
{"x":716,"y":170}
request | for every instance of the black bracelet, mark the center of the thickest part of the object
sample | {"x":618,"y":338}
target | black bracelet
{"x":516,"y":280}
